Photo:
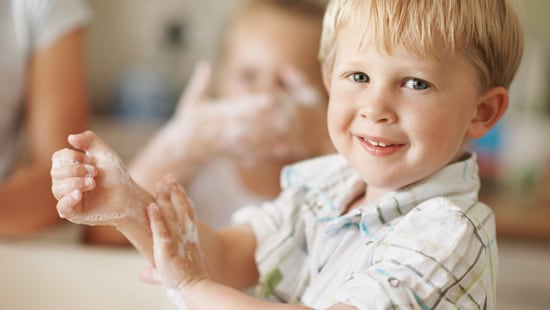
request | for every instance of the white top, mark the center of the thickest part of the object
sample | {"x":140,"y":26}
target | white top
{"x":217,"y":192}
{"x":25,"y":27}
{"x":429,"y":246}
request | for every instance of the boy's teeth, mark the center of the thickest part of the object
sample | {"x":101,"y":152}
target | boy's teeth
{"x":375,"y":143}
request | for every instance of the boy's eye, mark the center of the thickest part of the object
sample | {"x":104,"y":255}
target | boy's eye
{"x":360,"y":77}
{"x":417,"y":84}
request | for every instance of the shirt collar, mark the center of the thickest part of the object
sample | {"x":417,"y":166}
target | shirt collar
{"x":459,"y":180}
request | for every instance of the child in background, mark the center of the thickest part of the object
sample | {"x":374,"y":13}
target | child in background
{"x":392,"y":221}
{"x":269,"y":111}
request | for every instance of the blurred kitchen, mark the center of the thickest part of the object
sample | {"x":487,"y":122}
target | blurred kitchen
{"x":141,"y":53}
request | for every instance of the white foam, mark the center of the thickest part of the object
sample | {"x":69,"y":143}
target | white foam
{"x":176,"y":298}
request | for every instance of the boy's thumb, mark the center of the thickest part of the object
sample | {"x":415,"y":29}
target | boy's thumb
{"x":197,"y":88}
{"x":88,"y":142}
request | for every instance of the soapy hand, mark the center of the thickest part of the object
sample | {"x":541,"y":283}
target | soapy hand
{"x":179,"y":260}
{"x":227,"y":126}
{"x":92,"y":185}
{"x":305,"y":107}
{"x":255,"y":126}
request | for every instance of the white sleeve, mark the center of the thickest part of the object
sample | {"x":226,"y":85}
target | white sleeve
{"x":51,"y":20}
{"x":270,"y":217}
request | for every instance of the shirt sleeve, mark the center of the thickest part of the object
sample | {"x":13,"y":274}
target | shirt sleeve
{"x":271,"y":217}
{"x":51,"y":20}
{"x":280,"y":258}
{"x":438,"y":257}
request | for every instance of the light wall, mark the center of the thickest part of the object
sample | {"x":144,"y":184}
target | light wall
{"x":127,"y":33}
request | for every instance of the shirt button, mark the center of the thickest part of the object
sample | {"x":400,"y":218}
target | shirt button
{"x":393,"y":282}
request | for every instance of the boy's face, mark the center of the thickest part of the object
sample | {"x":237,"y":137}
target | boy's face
{"x":259,"y":46}
{"x":397,"y":117}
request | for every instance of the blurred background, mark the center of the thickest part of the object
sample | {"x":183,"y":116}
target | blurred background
{"x":142,"y":42}
{"x":141,"y":53}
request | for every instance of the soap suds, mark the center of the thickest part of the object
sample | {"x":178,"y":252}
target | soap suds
{"x":176,"y":298}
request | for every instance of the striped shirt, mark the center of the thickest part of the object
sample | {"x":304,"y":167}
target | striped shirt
{"x":429,"y":246}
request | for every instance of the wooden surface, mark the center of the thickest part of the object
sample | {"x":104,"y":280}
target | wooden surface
{"x":525,"y":216}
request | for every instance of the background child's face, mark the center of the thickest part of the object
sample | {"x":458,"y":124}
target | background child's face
{"x":397,"y":117}
{"x":259,"y":45}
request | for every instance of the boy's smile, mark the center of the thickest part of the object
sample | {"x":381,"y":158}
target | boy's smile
{"x":378,"y":146}
{"x":398,"y":117}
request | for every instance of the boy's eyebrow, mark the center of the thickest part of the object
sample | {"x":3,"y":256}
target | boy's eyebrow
{"x":416,"y":65}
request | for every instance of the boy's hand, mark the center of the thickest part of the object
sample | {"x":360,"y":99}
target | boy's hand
{"x":178,"y":257}
{"x":91,"y":184}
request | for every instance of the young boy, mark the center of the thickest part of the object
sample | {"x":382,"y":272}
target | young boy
{"x":392,"y":221}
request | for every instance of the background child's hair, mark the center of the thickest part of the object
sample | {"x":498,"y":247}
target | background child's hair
{"x":312,"y":8}
{"x":488,"y":32}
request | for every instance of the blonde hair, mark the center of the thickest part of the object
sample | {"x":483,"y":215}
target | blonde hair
{"x":488,"y":32}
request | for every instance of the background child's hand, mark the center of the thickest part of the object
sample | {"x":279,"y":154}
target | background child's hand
{"x":304,"y":106}
{"x":246,"y":125}
{"x":91,"y":183}
{"x":178,"y":257}
{"x":282,"y":125}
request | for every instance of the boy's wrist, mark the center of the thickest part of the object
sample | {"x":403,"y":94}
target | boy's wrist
{"x":185,"y":294}
{"x":135,"y":227}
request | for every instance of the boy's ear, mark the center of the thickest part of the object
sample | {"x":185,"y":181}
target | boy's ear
{"x":490,"y":109}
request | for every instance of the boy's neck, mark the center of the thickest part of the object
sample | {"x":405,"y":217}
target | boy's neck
{"x":261,"y":179}
{"x":369,"y":195}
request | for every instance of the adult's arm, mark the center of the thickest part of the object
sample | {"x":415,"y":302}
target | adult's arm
{"x":56,"y":105}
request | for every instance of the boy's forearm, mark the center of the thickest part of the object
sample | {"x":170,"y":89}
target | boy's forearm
{"x":208,"y":294}
{"x":230,"y":255}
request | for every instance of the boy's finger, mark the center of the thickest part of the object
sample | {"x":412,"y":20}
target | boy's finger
{"x":63,"y":187}
{"x":297,"y":84}
{"x":179,"y":198}
{"x":67,"y":205}
{"x":72,"y":170}
{"x":83,"y":140}
{"x":150,"y":275}
{"x":293,"y":78}
{"x":164,"y":203}
{"x":67,"y":157}
{"x":90,"y":143}
{"x":197,"y":89}
{"x":161,"y":238}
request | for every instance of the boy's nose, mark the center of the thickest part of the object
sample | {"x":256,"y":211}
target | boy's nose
{"x":378,"y":109}
{"x":268,"y":82}
{"x":268,"y":86}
